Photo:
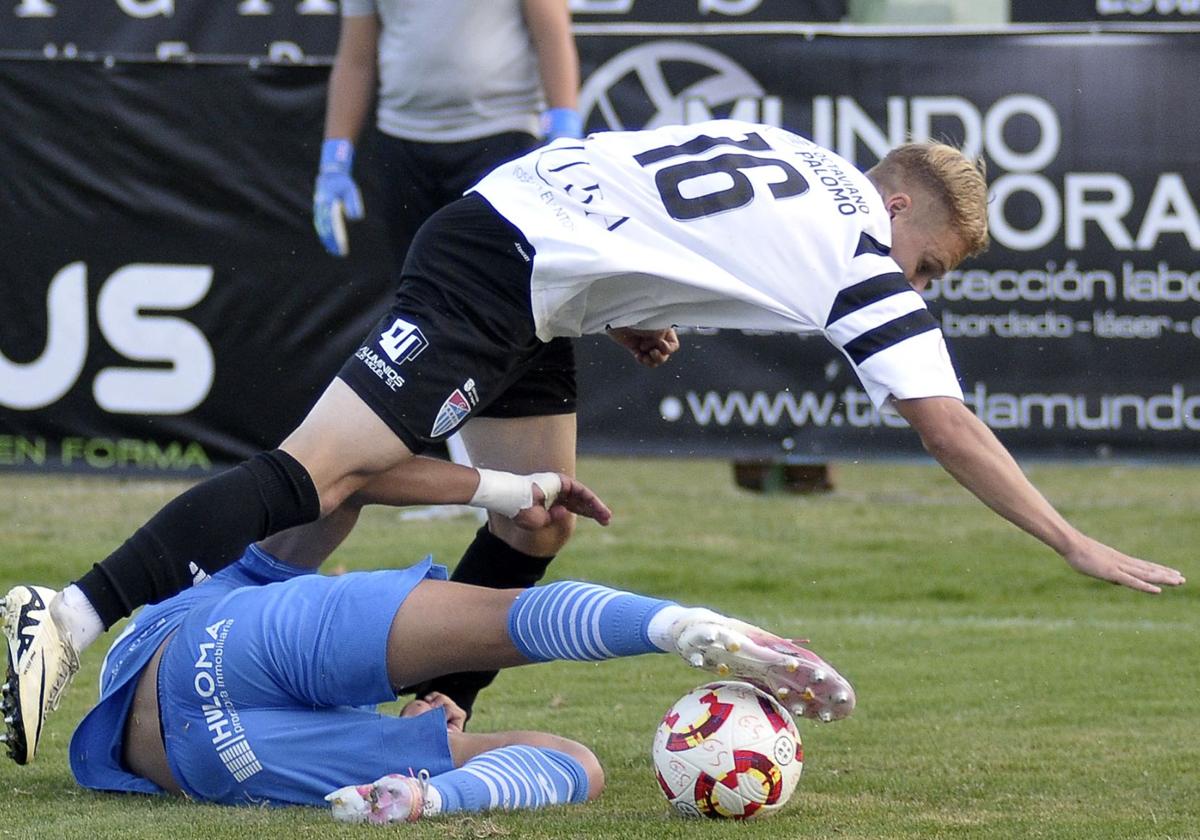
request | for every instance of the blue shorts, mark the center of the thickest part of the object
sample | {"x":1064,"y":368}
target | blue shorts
{"x":267,"y":696}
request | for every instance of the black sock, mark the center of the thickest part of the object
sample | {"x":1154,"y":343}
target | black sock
{"x":204,"y":529}
{"x":488,"y":561}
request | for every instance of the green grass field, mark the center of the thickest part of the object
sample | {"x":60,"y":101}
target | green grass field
{"x":1000,"y":694}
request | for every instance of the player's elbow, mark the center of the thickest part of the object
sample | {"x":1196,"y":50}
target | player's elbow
{"x":943,"y":424}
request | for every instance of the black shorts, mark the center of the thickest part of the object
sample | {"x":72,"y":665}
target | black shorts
{"x":459,"y":339}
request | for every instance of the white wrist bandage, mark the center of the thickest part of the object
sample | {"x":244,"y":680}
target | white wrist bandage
{"x":509,"y":494}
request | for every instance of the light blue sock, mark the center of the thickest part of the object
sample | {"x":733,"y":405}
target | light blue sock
{"x":512,"y":777}
{"x":581,"y":621}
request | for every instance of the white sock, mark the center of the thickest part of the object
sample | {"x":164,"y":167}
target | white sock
{"x":73,"y":612}
{"x":658,"y":631}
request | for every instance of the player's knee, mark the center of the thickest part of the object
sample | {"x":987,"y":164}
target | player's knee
{"x":335,"y":487}
{"x":587,"y":760}
{"x":595,"y":773}
{"x":592,"y":768}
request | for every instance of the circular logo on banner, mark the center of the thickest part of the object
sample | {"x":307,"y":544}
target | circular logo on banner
{"x":664,"y":83}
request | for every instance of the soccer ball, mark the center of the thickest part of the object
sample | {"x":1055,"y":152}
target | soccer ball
{"x":727,"y":750}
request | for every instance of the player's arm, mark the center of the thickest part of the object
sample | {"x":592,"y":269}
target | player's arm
{"x":532,"y":501}
{"x":352,"y":82}
{"x":967,"y":449}
{"x":549,"y":23}
{"x":351,"y":89}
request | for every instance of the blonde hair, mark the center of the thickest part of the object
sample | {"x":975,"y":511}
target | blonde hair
{"x":954,"y":180}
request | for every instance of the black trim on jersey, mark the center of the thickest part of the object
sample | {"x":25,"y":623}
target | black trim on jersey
{"x":871,"y":290}
{"x":889,"y":334}
{"x":868,"y":244}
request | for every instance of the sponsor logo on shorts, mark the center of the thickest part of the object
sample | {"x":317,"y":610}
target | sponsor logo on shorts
{"x":455,"y":409}
{"x":403,"y":341}
{"x":380,"y":368}
{"x":221,"y":717}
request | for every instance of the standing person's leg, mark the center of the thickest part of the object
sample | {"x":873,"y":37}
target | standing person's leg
{"x":411,"y":190}
{"x":419,"y":178}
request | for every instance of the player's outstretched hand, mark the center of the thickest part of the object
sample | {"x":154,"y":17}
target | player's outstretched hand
{"x":1100,"y":561}
{"x":551,"y":504}
{"x":650,"y":347}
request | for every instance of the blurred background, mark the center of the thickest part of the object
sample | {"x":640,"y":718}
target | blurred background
{"x":166,"y":307}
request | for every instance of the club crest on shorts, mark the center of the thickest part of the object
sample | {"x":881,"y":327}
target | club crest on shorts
{"x":455,"y":409}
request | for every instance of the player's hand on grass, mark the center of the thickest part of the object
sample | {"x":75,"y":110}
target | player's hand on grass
{"x":1095,"y":558}
{"x":336,"y":195}
{"x":456,"y":718}
{"x":554,"y":504}
{"x":650,"y":347}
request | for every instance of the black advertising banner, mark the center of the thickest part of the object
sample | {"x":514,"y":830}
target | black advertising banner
{"x":1054,"y":11}
{"x":165,"y":306}
{"x":291,"y":31}
{"x":1075,"y":334}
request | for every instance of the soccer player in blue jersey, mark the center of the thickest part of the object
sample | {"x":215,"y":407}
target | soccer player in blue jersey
{"x":257,"y":686}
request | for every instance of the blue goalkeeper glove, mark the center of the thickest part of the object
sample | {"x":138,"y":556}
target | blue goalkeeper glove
{"x":561,"y":122}
{"x":336,"y":195}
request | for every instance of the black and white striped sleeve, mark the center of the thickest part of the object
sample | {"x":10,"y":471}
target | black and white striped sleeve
{"x":885,"y":329}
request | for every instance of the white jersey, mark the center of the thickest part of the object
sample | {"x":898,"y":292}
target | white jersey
{"x":720,"y":224}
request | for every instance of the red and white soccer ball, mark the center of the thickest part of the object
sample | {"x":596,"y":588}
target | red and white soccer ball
{"x":727,"y":750}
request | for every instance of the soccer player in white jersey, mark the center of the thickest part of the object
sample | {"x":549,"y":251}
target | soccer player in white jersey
{"x":720,"y":224}
{"x":241,"y":693}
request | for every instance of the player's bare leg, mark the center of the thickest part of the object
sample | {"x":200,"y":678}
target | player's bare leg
{"x":343,"y":444}
{"x":444,"y":627}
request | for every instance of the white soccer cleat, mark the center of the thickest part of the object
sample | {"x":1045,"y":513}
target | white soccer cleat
{"x":803,"y":682}
{"x":394,"y":798}
{"x":41,"y":663}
